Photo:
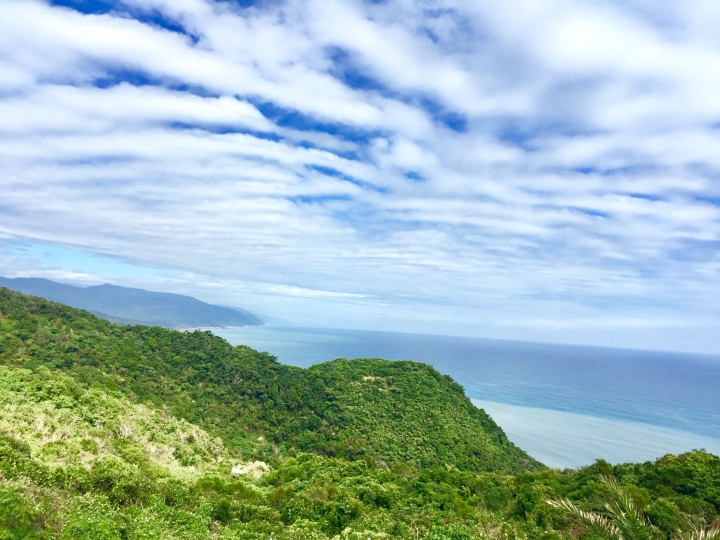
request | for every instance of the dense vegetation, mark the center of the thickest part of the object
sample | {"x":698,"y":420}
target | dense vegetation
{"x":133,"y":432}
{"x":391,"y":411}
{"x":624,"y":519}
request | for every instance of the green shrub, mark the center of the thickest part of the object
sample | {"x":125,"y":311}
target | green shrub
{"x":123,"y":483}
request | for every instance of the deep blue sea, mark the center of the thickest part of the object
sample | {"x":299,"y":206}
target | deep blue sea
{"x":667,"y":390}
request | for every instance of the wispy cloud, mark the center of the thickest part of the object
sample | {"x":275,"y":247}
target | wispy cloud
{"x":434,"y":164}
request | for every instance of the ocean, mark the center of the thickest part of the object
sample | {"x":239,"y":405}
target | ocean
{"x":564,"y":405}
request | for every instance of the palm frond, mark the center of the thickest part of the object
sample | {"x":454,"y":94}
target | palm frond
{"x":703,"y":534}
{"x":621,"y":503}
{"x":598,"y":522}
{"x":625,"y":515}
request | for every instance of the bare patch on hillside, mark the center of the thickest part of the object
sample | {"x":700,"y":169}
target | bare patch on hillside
{"x":254,"y":469}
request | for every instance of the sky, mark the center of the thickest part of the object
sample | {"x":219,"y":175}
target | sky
{"x":544,"y":171}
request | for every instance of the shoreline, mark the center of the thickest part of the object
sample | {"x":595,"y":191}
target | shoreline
{"x":570,"y":440}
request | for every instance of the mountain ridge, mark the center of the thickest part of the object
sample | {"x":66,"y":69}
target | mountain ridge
{"x":127,"y":305}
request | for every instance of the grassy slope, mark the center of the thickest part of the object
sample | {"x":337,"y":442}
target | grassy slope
{"x":63,"y":424}
{"x":391,"y":411}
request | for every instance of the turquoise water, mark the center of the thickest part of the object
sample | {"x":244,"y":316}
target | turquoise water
{"x":677,"y":393}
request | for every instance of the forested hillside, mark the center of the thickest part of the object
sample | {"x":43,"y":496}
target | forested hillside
{"x":390,"y":411}
{"x":134,"y":432}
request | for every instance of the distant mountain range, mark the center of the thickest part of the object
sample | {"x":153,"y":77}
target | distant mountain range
{"x":126,"y":305}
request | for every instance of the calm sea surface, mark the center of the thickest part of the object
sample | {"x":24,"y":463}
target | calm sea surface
{"x":669,"y":390}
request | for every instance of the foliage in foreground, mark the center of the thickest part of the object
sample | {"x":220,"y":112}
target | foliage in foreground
{"x":622,"y":518}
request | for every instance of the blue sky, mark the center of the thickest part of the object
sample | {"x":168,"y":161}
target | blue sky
{"x":520,"y":169}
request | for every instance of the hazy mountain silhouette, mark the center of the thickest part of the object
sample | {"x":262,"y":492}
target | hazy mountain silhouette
{"x":128,"y":305}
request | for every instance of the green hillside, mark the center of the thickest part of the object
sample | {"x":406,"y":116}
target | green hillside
{"x":90,"y":464}
{"x":391,"y":411}
{"x":407,"y":412}
{"x":65,"y":424}
{"x":125,"y":433}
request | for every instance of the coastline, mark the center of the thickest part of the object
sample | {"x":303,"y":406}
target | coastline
{"x":491,"y":371}
{"x":570,"y":440}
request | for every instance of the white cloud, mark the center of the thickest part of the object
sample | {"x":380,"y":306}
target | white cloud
{"x":70,"y":109}
{"x":581,"y":188}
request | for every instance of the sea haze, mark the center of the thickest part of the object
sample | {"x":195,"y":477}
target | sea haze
{"x":566,"y":405}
